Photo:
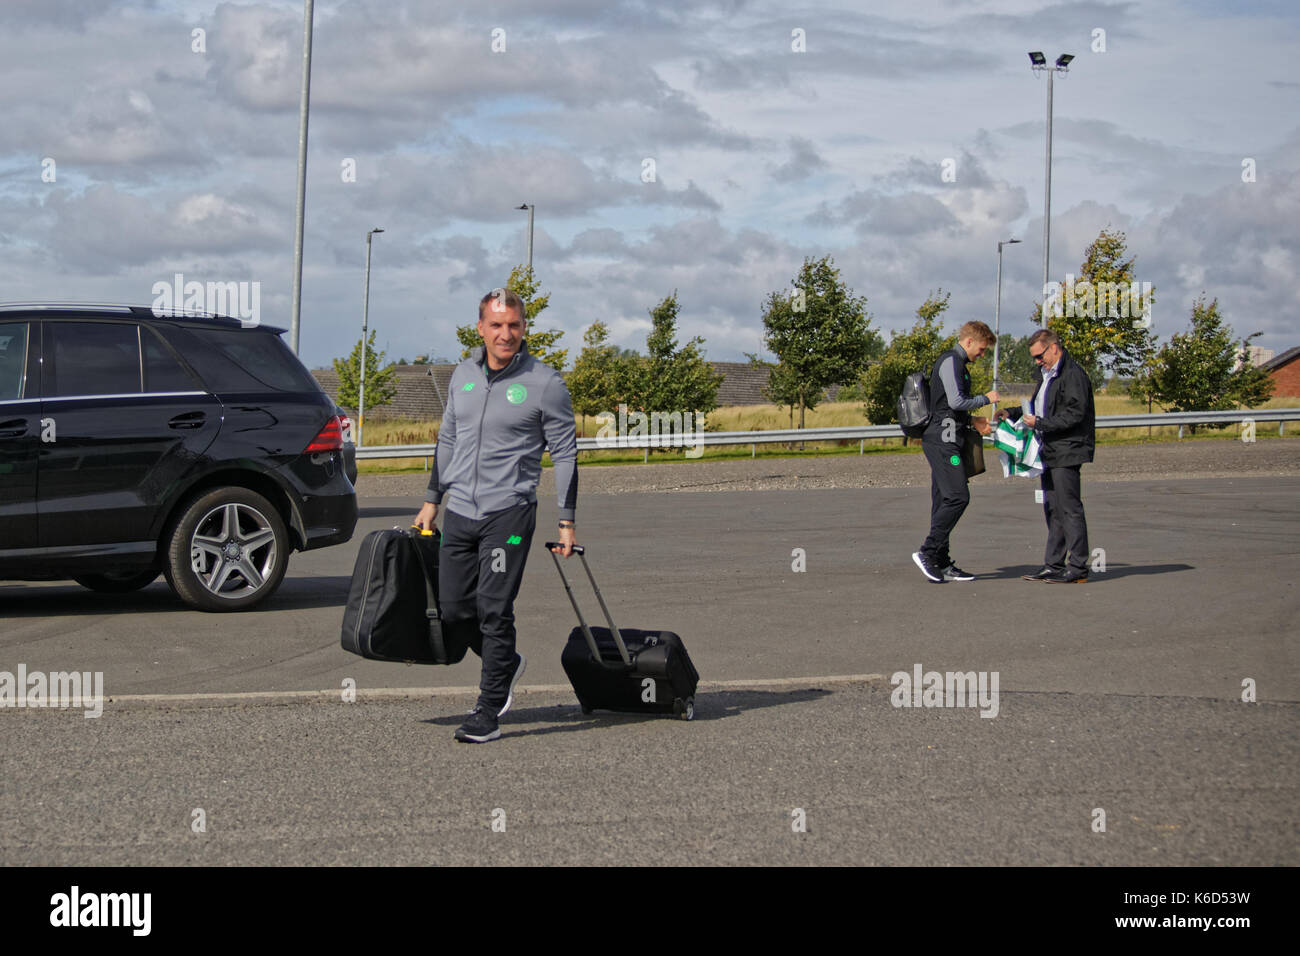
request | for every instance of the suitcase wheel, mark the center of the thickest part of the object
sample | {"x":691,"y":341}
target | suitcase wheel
{"x":585,"y":708}
{"x":685,"y":709}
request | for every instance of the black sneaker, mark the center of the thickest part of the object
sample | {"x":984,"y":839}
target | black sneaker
{"x":510,"y":694}
{"x":927,"y":567}
{"x":954,"y":573}
{"x":1043,"y":574}
{"x":479,"y":729}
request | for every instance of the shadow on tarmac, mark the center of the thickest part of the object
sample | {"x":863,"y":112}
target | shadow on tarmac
{"x":294,"y":594}
{"x":1094,"y":577}
{"x":566,"y":718}
{"x":408,"y":513}
{"x":300,"y":594}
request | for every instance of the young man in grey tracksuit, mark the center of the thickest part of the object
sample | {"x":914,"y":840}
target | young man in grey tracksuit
{"x":944,"y":444}
{"x":504,"y":408}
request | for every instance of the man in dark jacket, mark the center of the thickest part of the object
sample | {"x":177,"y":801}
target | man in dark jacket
{"x":944,"y":444}
{"x":504,"y":409}
{"x":1062,"y":414}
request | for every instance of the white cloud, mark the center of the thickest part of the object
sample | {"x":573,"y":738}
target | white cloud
{"x":168,"y":159}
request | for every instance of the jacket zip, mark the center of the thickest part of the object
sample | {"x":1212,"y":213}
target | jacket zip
{"x":487,"y":393}
{"x":478,"y":446}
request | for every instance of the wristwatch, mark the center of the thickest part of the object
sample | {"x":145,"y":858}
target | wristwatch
{"x":566,"y":524}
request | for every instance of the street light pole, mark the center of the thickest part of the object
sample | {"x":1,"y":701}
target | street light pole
{"x":997,"y":315}
{"x":530,"y":234}
{"x":303,"y":107}
{"x":1038,"y":63}
{"x":365,"y":325}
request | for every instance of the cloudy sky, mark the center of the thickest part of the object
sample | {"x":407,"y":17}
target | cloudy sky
{"x":133,"y":148}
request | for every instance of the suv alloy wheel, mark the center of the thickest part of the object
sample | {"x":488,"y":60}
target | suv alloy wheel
{"x":228,"y":551}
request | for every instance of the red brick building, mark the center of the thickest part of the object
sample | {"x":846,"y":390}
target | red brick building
{"x":1285,"y":372}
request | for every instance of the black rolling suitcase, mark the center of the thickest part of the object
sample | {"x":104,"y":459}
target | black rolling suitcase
{"x":392,"y":611}
{"x":614,"y":668}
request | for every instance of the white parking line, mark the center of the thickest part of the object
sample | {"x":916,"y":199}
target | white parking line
{"x":381,"y":693}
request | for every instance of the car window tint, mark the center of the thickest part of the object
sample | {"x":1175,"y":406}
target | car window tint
{"x":92,"y":358}
{"x":13,"y":359}
{"x":162,"y":373}
{"x":261,"y":355}
{"x":219,"y":374}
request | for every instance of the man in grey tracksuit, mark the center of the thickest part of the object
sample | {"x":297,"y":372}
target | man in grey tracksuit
{"x":504,"y":408}
{"x":944,"y":444}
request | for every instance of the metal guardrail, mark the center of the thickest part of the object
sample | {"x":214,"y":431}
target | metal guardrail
{"x":861,"y":433}
{"x":1280,"y":415}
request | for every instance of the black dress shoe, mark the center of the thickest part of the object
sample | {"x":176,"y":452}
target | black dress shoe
{"x":1043,"y":574}
{"x":1069,"y":577}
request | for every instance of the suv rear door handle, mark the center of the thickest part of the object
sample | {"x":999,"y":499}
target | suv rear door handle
{"x":14,"y":428}
{"x":188,"y":420}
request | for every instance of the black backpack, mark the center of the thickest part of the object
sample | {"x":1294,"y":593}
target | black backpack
{"x":913,"y":410}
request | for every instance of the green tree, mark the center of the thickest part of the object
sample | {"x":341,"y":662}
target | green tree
{"x":820,"y":333}
{"x":381,"y":380}
{"x":672,"y":379}
{"x":914,"y":351}
{"x":781,"y":389}
{"x":1207,"y":369}
{"x":1103,"y":319}
{"x":524,"y":283}
{"x":599,"y":378}
{"x":1142,"y":385}
{"x":1014,"y":363}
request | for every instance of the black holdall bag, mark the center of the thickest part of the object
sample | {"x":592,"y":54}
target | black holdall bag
{"x":913,"y":410}
{"x":636,"y":671}
{"x":392,"y":611}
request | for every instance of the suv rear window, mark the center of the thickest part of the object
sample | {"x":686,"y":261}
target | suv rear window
{"x":13,"y":359}
{"x":233,"y":360}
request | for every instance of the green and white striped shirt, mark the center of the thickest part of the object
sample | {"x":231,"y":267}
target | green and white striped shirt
{"x":1018,"y":448}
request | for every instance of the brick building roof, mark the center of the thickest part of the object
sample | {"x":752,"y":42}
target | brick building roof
{"x":743,"y":384}
{"x":1290,"y":355}
{"x":421,"y":390}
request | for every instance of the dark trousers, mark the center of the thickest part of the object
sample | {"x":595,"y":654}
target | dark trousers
{"x":1067,"y":531}
{"x":949,"y":496}
{"x":480,"y":567}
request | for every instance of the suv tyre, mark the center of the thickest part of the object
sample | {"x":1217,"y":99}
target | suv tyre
{"x":228,"y":551}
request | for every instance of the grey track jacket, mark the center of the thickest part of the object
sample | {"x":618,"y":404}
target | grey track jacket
{"x":490,"y":445}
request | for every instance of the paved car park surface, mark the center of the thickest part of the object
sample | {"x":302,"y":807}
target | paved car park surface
{"x":1182,"y":780}
{"x":1124,"y":695}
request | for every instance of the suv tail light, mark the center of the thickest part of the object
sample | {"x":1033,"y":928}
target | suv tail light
{"x":330,"y":438}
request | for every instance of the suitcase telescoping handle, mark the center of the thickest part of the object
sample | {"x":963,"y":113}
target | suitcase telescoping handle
{"x":581,"y":552}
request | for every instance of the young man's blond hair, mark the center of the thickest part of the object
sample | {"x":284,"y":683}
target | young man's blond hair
{"x":977,"y":331}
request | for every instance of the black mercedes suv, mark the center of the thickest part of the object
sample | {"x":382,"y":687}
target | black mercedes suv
{"x":133,"y":444}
